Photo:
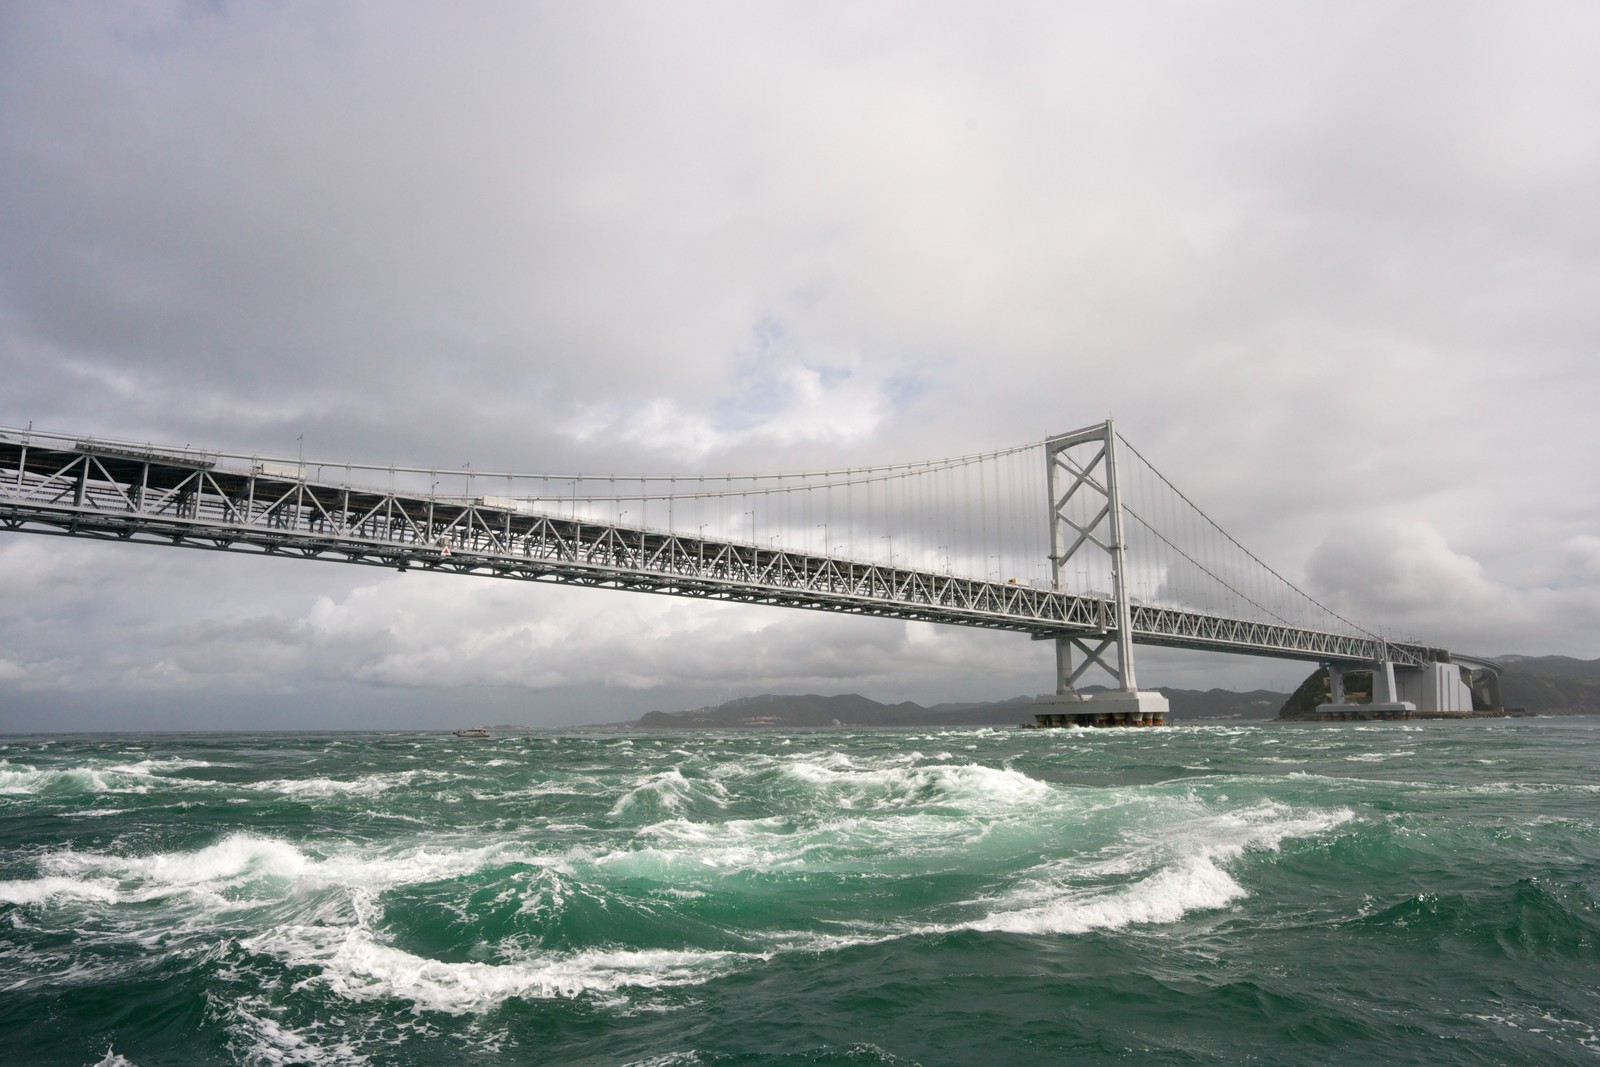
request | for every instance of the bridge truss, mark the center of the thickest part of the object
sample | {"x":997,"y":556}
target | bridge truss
{"x":64,"y":485}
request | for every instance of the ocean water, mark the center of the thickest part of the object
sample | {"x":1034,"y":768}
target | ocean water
{"x":1396,"y":893}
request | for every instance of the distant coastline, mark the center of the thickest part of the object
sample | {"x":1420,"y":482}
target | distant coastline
{"x":811,"y":711}
{"x":1530,"y":685}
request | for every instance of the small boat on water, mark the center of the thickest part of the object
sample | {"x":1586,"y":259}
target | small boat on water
{"x":473,"y":731}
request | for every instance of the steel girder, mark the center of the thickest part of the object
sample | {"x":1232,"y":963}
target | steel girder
{"x":191,"y":501}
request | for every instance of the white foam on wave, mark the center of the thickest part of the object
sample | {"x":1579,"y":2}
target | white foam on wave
{"x":57,"y":888}
{"x":682,"y":847}
{"x":574,"y":786}
{"x":21,"y":779}
{"x":367,"y":785}
{"x":1185,"y":861}
{"x":426,"y":863}
{"x":159,"y":766}
{"x":862,"y":815}
{"x":1196,"y":883}
{"x":667,"y":791}
{"x":24,"y":780}
{"x":327,"y":787}
{"x":863,"y":812}
{"x":670,"y":1059}
{"x":274,"y":1044}
{"x":212,"y":873}
{"x":222,"y":863}
{"x":137,"y":777}
{"x":356,"y":965}
{"x":968,"y":786}
{"x":1379,"y":757}
{"x":114,"y":1059}
{"x":244,"y":870}
{"x":1533,"y":787}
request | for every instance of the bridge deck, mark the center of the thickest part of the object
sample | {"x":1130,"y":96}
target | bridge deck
{"x":89,"y":489}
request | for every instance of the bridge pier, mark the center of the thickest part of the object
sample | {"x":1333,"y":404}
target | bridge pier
{"x":1114,"y":708}
{"x":1385,"y":703}
{"x":1435,"y":687}
{"x":1085,"y":462}
{"x":1438,"y":688}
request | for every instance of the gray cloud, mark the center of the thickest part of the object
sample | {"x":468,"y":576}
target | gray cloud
{"x":1331,"y":269}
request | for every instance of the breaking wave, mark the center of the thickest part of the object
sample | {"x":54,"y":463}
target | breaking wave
{"x":329,"y":904}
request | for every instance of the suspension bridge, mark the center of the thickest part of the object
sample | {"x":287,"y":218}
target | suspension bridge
{"x":1077,"y":539}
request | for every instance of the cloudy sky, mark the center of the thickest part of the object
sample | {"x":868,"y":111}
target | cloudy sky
{"x":1334,"y":268}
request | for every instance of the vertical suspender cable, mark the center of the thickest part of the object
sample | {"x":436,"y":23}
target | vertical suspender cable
{"x":983,"y":515}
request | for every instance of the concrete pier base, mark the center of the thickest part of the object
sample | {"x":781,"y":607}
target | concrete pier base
{"x":1116,"y":708}
{"x":1402,"y":709}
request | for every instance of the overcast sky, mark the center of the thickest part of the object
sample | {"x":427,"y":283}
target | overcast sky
{"x":1335,"y":269}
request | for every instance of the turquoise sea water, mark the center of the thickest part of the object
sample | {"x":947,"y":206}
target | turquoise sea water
{"x":1411,"y":893}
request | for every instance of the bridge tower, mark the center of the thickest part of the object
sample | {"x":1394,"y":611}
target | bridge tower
{"x":1086,"y":519}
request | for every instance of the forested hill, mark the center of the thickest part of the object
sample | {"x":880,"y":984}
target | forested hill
{"x":1551,"y":684}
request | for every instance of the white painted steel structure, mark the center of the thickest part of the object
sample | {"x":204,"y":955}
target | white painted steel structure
{"x":1086,"y":460}
{"x":69,"y":485}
